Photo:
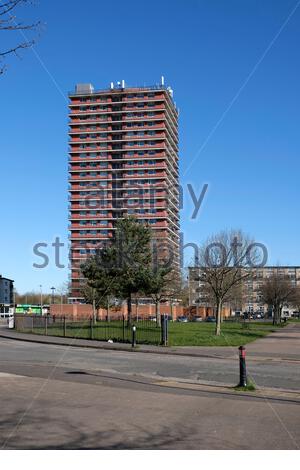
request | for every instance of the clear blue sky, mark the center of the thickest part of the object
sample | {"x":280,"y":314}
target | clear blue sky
{"x":206,"y":50}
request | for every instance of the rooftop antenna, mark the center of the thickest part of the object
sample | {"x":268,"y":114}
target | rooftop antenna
{"x":123,"y":84}
{"x":162,"y":80}
{"x":170,"y":91}
{"x":111,"y":85}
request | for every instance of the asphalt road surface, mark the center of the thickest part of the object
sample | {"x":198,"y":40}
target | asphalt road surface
{"x":26,"y":358}
{"x":55,"y":397}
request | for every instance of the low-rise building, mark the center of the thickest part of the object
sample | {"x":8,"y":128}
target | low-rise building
{"x":6,"y":294}
{"x":251,"y":300}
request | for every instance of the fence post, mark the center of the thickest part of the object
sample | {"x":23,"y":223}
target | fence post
{"x":65,"y":327}
{"x":32,"y":324}
{"x":46,"y":325}
{"x":123,"y":329}
{"x":133,"y":341}
{"x":91,"y":328}
{"x":164,"y":330}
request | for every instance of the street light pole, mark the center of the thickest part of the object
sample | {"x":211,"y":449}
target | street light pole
{"x":53,"y":291}
{"x":41,"y":299}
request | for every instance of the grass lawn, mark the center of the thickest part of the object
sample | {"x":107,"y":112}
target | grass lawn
{"x":146,"y":332}
{"x":232,"y":333}
{"x":180,"y":334}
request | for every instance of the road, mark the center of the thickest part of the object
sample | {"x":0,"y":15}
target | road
{"x":55,"y":397}
{"x":27,"y":358}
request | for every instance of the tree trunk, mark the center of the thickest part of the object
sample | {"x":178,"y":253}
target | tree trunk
{"x":137,"y":309}
{"x":107,"y":312}
{"x":171,"y":310}
{"x":157,"y":312}
{"x":94,"y":310}
{"x":277,"y":314}
{"x":129,"y":310}
{"x":218,"y":319}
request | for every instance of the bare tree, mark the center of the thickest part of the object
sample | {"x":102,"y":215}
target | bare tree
{"x":277,"y":290}
{"x":10,"y":23}
{"x":225,"y":261}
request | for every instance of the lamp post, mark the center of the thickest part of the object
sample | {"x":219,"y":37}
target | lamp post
{"x":52,"y":297}
{"x":41,"y":289}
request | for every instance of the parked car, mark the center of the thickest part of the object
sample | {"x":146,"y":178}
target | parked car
{"x":182,"y":319}
{"x":197,"y":319}
{"x":210,"y":319}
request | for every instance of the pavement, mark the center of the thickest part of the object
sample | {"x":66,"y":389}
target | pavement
{"x":76,"y":411}
{"x":63,"y":397}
